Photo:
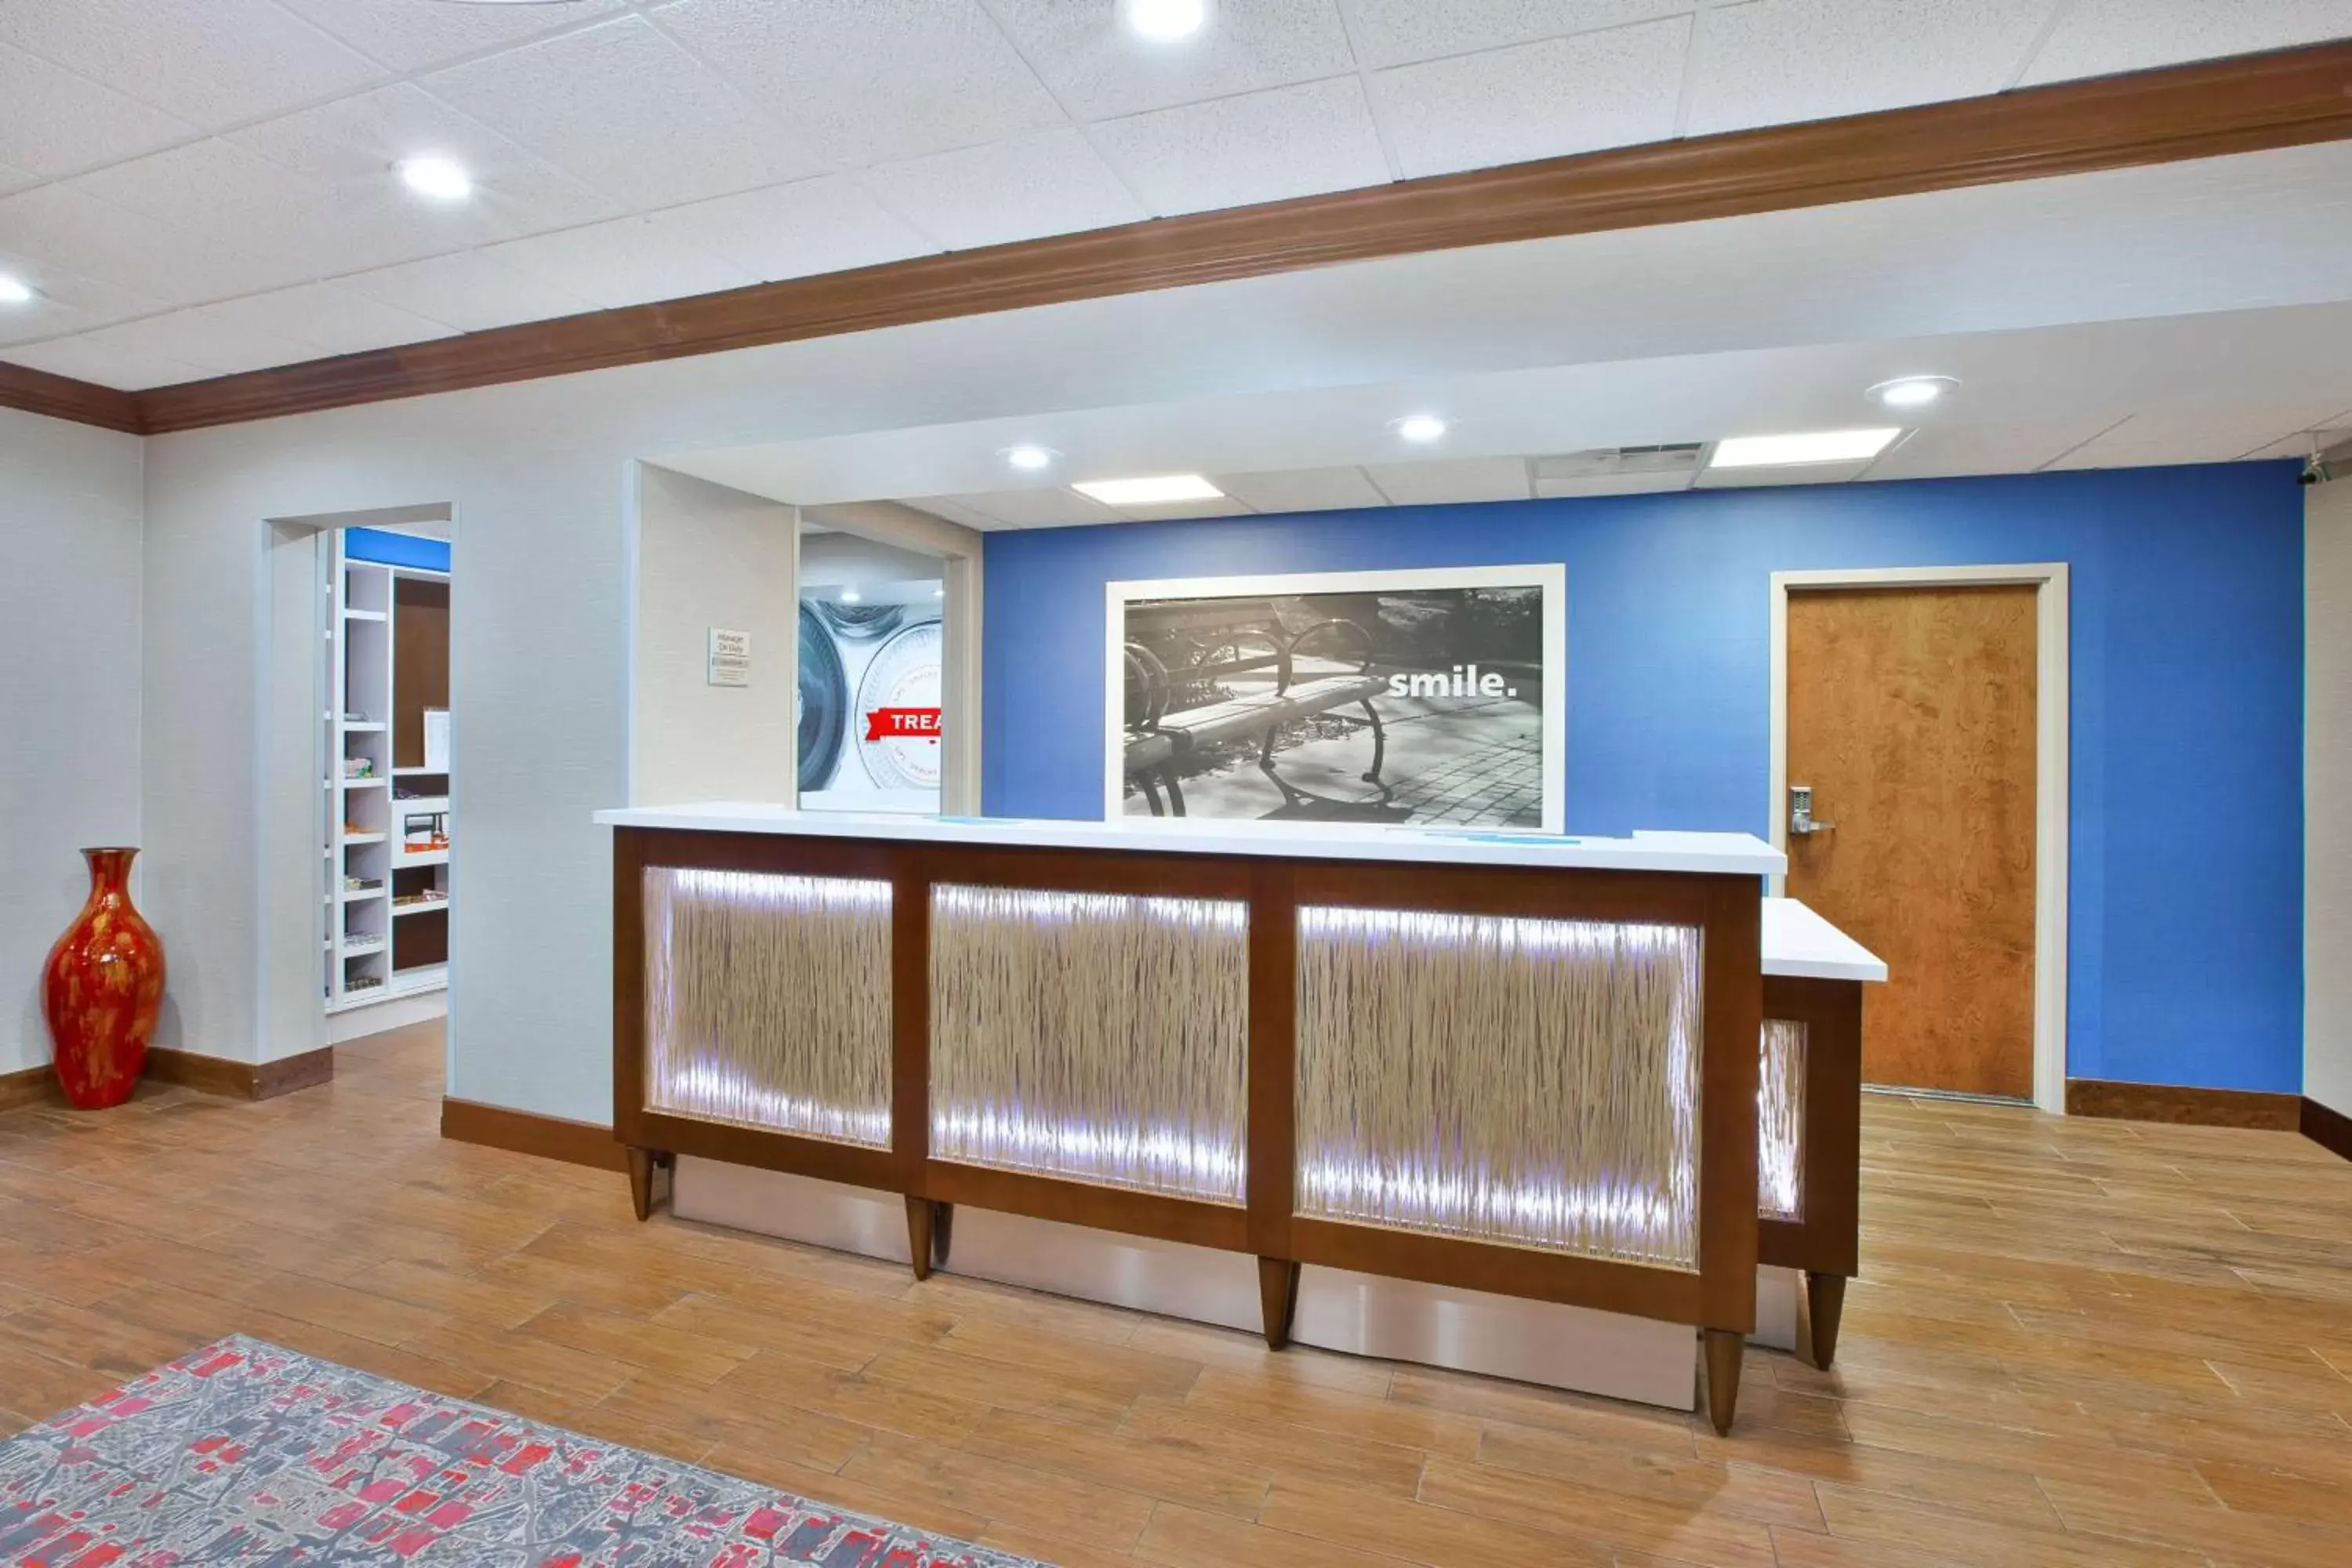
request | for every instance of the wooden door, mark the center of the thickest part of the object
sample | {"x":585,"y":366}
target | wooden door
{"x":1911,"y":715}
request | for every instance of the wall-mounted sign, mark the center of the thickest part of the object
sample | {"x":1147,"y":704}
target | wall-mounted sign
{"x":1426,"y":698}
{"x":730,"y":658}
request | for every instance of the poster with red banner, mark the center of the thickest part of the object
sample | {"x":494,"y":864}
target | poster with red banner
{"x":870,"y":721}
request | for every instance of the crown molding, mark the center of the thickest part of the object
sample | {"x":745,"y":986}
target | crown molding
{"x":2245,"y":104}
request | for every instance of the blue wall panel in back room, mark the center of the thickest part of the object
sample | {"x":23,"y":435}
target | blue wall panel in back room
{"x":2185,"y":916}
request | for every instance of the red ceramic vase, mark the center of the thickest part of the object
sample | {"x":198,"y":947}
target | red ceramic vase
{"x":102,"y":988}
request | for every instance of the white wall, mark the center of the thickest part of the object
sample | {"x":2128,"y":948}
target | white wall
{"x":2327,"y":795}
{"x":69,"y":698}
{"x":707,"y":557}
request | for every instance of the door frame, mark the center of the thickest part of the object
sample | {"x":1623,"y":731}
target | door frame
{"x":2052,"y":704}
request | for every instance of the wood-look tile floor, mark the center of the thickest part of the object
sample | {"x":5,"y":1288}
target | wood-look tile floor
{"x":2073,"y":1343}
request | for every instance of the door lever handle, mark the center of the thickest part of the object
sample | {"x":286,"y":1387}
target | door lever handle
{"x":1801,"y":821}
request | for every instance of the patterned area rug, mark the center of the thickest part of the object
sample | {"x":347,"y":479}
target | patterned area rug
{"x":243,"y":1453}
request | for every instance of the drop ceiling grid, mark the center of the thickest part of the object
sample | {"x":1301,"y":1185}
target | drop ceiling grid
{"x":642,"y":149}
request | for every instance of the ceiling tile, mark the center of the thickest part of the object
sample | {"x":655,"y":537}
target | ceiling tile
{"x":213,"y":62}
{"x":329,"y":319}
{"x":54,"y":123}
{"x":1612,"y":485}
{"x":626,"y":262}
{"x":826,"y":224}
{"x":15,"y":179}
{"x":1037,"y":508}
{"x":409,"y":36}
{"x":955,"y":511}
{"x":1768,"y":62}
{"x":106,"y":363}
{"x":872,"y":81}
{"x":1391,"y":32}
{"x":65,"y":302}
{"x":1452,"y":479}
{"x":2095,"y":38}
{"x":1941,"y":451}
{"x":626,"y":110}
{"x":190,"y":337}
{"x":215,"y":192}
{"x":68,"y":228}
{"x":2196,"y":436}
{"x":352,"y":143}
{"x":1098,"y":69}
{"x":1302,"y":489}
{"x":1538,"y":100}
{"x":1050,"y":181}
{"x":1259,"y":147}
{"x":468,"y":290}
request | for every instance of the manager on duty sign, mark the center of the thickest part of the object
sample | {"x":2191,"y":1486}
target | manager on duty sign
{"x":730,"y":658}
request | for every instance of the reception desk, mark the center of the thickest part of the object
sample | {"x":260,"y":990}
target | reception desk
{"x":1518,"y":1064}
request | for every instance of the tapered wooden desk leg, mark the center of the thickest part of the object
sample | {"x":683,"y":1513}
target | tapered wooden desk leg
{"x":1277,"y":1298}
{"x":1824,"y":1303}
{"x":641,"y":1182}
{"x":1724,"y":1349}
{"x":923,"y":1217}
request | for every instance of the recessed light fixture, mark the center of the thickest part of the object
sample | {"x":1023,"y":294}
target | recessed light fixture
{"x":940,"y":591}
{"x":1158,"y":491}
{"x":1029,"y":459}
{"x":443,"y":179}
{"x":1165,"y":21}
{"x":1913,"y":391}
{"x":851,"y":596}
{"x":15,"y":290}
{"x":1812,"y":447}
{"x":1419,"y":428}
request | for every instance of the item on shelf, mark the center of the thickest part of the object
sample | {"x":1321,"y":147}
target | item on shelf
{"x":401,"y":792}
{"x":424,"y":831}
{"x":359,"y":767}
{"x":355,"y":716}
{"x":362,"y":884}
{"x":359,"y":983}
{"x":436,"y":738}
{"x":102,"y":986}
{"x":417,"y":900}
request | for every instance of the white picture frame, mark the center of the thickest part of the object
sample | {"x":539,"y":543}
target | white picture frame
{"x":1549,"y":578}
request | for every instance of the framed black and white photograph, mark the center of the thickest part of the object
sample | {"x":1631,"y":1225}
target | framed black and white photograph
{"x":1426,"y":697}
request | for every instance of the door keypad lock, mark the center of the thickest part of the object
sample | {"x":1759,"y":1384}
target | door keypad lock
{"x":1801,"y":821}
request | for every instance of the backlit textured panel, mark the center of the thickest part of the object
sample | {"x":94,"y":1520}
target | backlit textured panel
{"x":1532,"y":1081}
{"x":1781,"y":1122}
{"x":1093,"y":1035}
{"x":768,"y":1001}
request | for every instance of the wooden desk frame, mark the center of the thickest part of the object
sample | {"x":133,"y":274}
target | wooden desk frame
{"x":1824,"y":1241}
{"x":1718,"y":1298}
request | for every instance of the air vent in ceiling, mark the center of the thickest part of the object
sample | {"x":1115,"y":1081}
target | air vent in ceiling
{"x":1601,"y":462}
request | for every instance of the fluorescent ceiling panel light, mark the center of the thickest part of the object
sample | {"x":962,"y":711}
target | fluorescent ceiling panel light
{"x":1811,"y":447}
{"x":1165,"y":21}
{"x":1159,"y":490}
{"x":443,"y":179}
{"x":15,"y":290}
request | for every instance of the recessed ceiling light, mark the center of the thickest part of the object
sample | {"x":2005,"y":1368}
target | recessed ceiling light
{"x":851,"y":596}
{"x":1419,"y":427}
{"x":1812,"y":447}
{"x":443,"y":179}
{"x":940,"y":591}
{"x":15,"y":290}
{"x":1158,"y":491}
{"x":1913,"y":391}
{"x":1029,"y":459}
{"x":1165,"y":21}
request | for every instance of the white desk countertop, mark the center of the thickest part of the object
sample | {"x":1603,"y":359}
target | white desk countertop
{"x":1732,"y":854}
{"x":1800,"y":943}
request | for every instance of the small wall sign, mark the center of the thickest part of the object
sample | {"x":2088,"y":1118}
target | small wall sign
{"x":730,"y":658}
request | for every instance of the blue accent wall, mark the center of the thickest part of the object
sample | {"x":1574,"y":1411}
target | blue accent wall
{"x":2186,"y":832}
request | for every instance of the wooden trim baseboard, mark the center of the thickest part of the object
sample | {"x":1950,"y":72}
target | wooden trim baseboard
{"x":2183,"y":1106}
{"x":527,"y":1132}
{"x":2244,"y":104}
{"x":29,"y":1086}
{"x":241,"y":1081}
{"x":2327,"y":1127}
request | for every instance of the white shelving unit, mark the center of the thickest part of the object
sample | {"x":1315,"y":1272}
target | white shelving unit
{"x":387,"y":906}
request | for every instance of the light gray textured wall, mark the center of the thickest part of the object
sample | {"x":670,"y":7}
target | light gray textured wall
{"x":70,"y":697}
{"x":2327,"y":795}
